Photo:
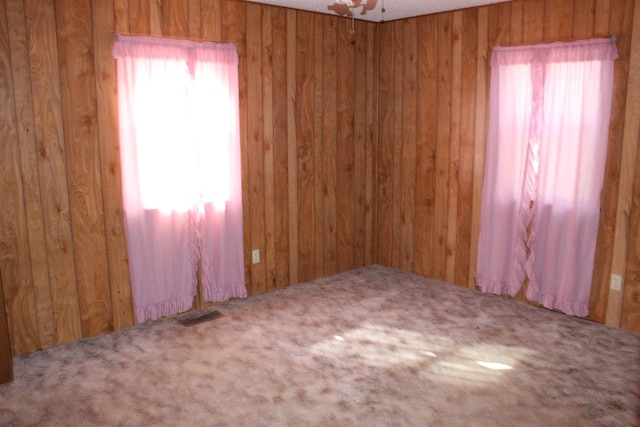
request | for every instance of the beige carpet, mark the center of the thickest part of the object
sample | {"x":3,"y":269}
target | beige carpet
{"x":371,"y":347}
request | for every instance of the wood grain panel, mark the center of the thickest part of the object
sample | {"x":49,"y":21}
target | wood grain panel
{"x":121,"y":12}
{"x":500,"y":24}
{"x":139,"y":17}
{"x":407,"y":170}
{"x":517,"y":22}
{"x":304,"y":141}
{"x":601,"y":24}
{"x":558,"y":19}
{"x":6,"y":358}
{"x":195,"y":19}
{"x":330,"y":149}
{"x":78,"y":82}
{"x":630,"y":300}
{"x":629,"y":308}
{"x":14,"y":249}
{"x":319,"y":229}
{"x":371,"y":138}
{"x":396,"y":171}
{"x":211,"y":20}
{"x":29,"y":171}
{"x":280,"y":149}
{"x":268,"y":156}
{"x":175,"y":18}
{"x":467,"y":145}
{"x":107,"y":122}
{"x":620,"y":23}
{"x":443,"y":152}
{"x":533,"y":31}
{"x":255,"y":146}
{"x":52,"y":168}
{"x":584,"y":18}
{"x":234,"y":30}
{"x":155,"y":17}
{"x":426,"y":144}
{"x":359,"y":114}
{"x":384,"y":170}
{"x":292,"y":148}
{"x":454,"y":146}
{"x":626,"y":240}
{"x":345,"y":152}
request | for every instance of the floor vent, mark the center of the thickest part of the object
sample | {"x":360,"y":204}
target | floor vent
{"x":200,"y":319}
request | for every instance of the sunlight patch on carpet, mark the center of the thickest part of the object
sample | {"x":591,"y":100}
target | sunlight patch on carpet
{"x":438,"y":358}
{"x":479,"y":364}
{"x":379,"y":346}
{"x":494,"y":366}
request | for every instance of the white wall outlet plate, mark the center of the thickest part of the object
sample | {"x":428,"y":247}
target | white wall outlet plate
{"x":616,"y":282}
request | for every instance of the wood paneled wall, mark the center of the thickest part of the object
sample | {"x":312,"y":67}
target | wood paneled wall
{"x":356,"y":148}
{"x":307,"y":94}
{"x":433,"y":119}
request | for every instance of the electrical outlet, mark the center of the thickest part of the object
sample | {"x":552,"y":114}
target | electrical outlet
{"x":256,"y":256}
{"x":616,"y":282}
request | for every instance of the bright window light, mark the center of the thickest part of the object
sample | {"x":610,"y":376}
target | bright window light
{"x":180,"y":121}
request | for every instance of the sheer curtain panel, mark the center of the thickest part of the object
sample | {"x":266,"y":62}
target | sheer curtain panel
{"x":180,"y":161}
{"x":549,"y":120}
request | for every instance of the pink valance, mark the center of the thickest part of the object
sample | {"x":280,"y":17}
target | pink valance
{"x":155,"y":47}
{"x":583,"y":50}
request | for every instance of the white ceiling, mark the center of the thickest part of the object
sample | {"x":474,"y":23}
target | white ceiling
{"x":371,"y":10}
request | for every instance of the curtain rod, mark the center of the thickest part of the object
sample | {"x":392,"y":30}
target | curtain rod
{"x":160,"y":36}
{"x":613,"y":38}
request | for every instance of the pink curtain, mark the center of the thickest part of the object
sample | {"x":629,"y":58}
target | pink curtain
{"x":180,"y":161}
{"x":546,"y":151}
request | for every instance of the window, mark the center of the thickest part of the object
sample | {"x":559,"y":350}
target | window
{"x":180,"y":156}
{"x":546,"y":151}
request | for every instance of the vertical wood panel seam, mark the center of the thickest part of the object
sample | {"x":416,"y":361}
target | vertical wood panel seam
{"x":101,"y":165}
{"x":292,"y":146}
